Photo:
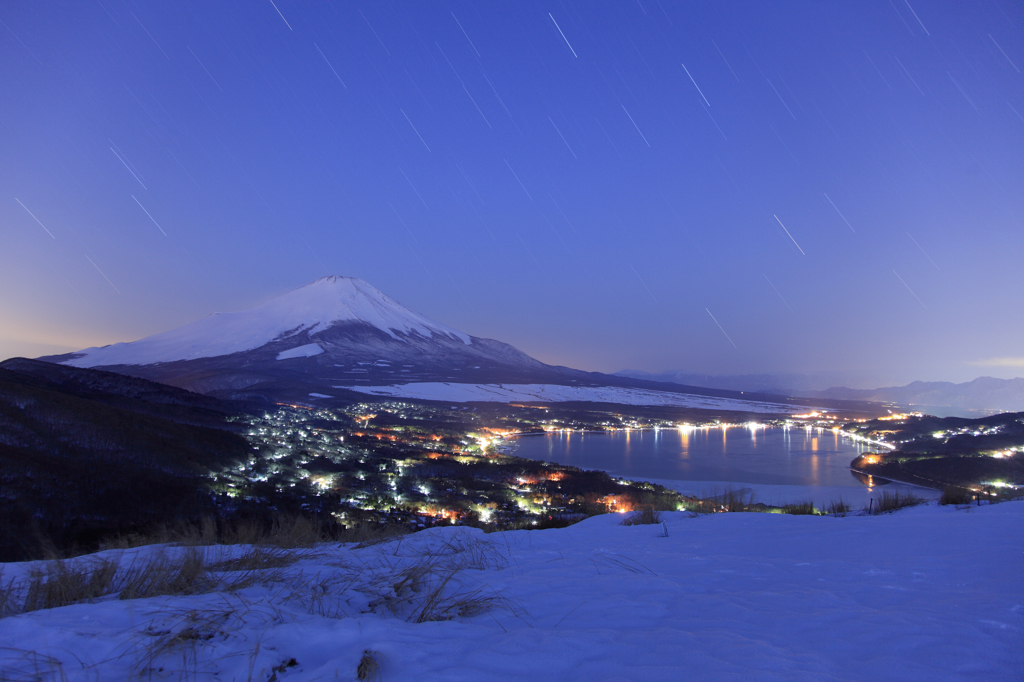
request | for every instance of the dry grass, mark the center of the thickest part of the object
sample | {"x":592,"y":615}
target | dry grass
{"x":800,"y":508}
{"x":60,"y":583}
{"x":7,"y":595}
{"x":30,"y":666}
{"x":954,"y":494}
{"x":369,"y":534}
{"x":729,"y":500}
{"x":431,"y":582}
{"x":182,"y":636}
{"x":74,"y":581}
{"x":838,"y":508}
{"x":434,"y":577}
{"x":643,"y":517}
{"x":158,"y":575}
{"x":259,"y":558}
{"x":285,"y":532}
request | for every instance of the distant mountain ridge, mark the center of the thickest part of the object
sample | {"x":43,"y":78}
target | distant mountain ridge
{"x":981,"y":394}
{"x":984,"y":394}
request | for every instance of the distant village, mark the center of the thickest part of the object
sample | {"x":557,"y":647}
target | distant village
{"x":418,"y":465}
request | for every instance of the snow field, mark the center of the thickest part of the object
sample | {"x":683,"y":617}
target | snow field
{"x":306,"y":351}
{"x":928,"y":593}
{"x":505,"y":393}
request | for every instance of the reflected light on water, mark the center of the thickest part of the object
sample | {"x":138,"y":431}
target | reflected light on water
{"x":761,"y":454}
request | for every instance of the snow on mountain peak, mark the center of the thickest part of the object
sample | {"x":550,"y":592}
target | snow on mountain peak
{"x":311,"y":309}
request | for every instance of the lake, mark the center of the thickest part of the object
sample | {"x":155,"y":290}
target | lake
{"x":738,"y":454}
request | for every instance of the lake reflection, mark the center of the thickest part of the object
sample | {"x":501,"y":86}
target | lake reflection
{"x":739,"y":454}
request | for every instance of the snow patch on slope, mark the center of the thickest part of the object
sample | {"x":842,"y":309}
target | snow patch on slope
{"x":504,"y":393}
{"x":307,"y":351}
{"x":311,"y":309}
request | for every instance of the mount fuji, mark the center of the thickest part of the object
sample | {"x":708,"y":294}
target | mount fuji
{"x":341,"y":334}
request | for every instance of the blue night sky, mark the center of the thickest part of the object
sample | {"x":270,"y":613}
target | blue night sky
{"x":824,"y":187}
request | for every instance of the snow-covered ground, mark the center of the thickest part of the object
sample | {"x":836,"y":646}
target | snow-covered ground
{"x":504,"y":393}
{"x":929,"y":593}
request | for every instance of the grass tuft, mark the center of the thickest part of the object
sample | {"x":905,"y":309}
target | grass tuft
{"x":369,"y":665}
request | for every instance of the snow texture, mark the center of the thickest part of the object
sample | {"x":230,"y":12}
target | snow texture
{"x":926,"y":594}
{"x":505,"y":393}
{"x":306,"y":351}
{"x":311,"y":309}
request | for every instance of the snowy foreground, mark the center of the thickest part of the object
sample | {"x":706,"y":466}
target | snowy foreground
{"x":929,"y":593}
{"x":504,"y":393}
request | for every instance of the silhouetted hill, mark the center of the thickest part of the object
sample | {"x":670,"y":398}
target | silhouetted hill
{"x":84,"y":454}
{"x":981,"y":395}
{"x":937,"y":452}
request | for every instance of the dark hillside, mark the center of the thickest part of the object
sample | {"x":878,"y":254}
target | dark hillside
{"x":85,"y":454}
{"x":119,"y":390}
{"x":936,"y":452}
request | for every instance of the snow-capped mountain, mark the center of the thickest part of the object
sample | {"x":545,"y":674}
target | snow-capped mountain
{"x":336,"y":331}
{"x":287,"y":320}
{"x":341,"y":333}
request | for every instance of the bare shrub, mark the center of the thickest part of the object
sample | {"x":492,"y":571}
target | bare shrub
{"x":954,"y":494}
{"x":643,"y":517}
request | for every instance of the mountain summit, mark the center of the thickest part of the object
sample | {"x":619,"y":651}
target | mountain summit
{"x":300,"y":314}
{"x":335,"y":331}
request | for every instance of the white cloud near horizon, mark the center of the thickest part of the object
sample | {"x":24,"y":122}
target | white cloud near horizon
{"x":999,"y":362}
